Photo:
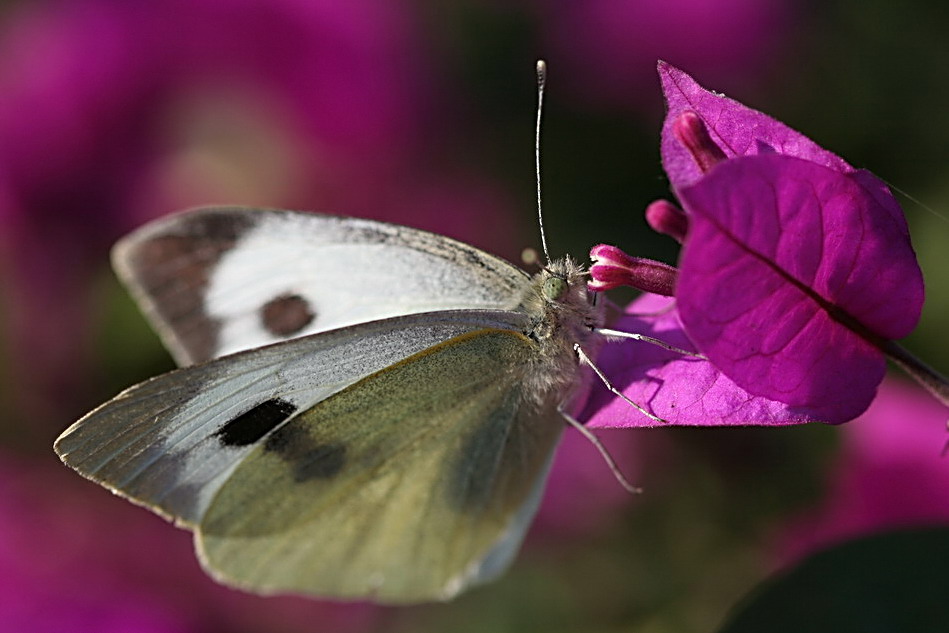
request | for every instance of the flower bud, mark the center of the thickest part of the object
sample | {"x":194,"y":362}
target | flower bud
{"x":668,"y":219}
{"x":613,"y":268}
{"x":690,"y":131}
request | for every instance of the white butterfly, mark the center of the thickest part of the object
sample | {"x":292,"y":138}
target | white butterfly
{"x":372,"y":412}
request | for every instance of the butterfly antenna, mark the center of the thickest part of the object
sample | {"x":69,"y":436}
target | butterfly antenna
{"x":541,"y":83}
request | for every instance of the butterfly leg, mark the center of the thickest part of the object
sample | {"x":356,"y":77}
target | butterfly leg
{"x":586,"y":360}
{"x":593,"y":439}
{"x":617,"y":334}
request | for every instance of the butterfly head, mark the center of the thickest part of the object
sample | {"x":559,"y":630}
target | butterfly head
{"x":560,"y":303}
{"x":562,"y":284}
{"x":555,"y":288}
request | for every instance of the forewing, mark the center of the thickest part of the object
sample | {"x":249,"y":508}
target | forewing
{"x":407,"y":486}
{"x":217,"y":280}
{"x":170,"y":442}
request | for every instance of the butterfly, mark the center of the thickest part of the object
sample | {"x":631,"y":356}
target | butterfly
{"x":363,"y":410}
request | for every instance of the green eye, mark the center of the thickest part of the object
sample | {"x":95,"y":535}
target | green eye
{"x":554,"y":288}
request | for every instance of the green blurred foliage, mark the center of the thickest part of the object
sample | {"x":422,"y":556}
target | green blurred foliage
{"x":885,"y":582}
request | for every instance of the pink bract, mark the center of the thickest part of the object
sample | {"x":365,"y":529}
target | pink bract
{"x":797,"y":268}
{"x":682,"y":390}
{"x":889,"y":473}
{"x":737,"y":129}
{"x":742,"y":131}
{"x":790,"y":279}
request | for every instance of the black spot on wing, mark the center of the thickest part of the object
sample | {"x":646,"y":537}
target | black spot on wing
{"x":175,"y":264}
{"x":323,"y":461}
{"x":286,"y":315}
{"x":250,"y":426}
{"x":473,"y":478}
{"x":287,"y":442}
{"x":308,"y":459}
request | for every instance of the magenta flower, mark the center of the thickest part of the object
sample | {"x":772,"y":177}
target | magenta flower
{"x":604,"y":49}
{"x":113,"y":113}
{"x":614,"y":268}
{"x":682,"y":390}
{"x":796,"y":270}
{"x":889,"y":473}
{"x":74,"y":559}
{"x":583,"y":497}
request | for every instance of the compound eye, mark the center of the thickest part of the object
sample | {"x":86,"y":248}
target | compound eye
{"x":554,"y":288}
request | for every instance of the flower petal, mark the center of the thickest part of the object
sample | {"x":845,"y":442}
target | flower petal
{"x":738,"y":129}
{"x":742,"y":131}
{"x":888,"y":474}
{"x":683,"y":390}
{"x":790,"y":278}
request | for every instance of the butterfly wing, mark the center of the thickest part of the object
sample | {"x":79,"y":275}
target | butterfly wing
{"x":170,"y":443}
{"x":409,"y":485}
{"x":217,"y":280}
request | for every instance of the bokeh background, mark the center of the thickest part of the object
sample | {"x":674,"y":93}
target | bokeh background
{"x":113,"y":112}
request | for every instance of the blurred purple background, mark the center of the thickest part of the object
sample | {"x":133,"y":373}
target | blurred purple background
{"x":115,"y":112}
